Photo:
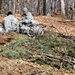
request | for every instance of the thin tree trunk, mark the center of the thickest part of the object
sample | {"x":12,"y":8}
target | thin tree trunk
{"x":0,"y":5}
{"x":44,"y":7}
{"x":72,"y":10}
{"x":38,"y":8}
{"x":14,"y":6}
{"x":62,"y":7}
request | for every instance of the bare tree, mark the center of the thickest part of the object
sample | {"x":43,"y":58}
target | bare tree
{"x":0,"y":5}
{"x":44,"y":7}
{"x":62,"y":7}
{"x":14,"y":6}
{"x":40,"y":7}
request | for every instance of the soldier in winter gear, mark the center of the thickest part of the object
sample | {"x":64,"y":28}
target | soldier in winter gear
{"x":27,"y":17}
{"x":10,"y":23}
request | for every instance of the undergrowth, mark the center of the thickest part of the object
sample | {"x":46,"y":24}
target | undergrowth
{"x":27,"y":48}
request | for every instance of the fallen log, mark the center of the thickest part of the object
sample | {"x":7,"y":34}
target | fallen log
{"x":67,"y":21}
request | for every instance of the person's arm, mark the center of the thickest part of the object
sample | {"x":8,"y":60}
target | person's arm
{"x":3,"y":24}
{"x":29,"y":16}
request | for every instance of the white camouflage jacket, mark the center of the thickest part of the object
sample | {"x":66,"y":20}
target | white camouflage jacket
{"x":10,"y":23}
{"x":28,"y":18}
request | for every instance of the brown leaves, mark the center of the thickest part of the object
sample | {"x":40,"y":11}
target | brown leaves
{"x":4,"y":40}
{"x":61,"y":25}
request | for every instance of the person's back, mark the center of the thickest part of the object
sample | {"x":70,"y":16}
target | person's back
{"x":9,"y":22}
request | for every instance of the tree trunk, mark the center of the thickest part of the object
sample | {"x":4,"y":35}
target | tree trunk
{"x":62,"y":7}
{"x":38,"y":8}
{"x":0,"y":5}
{"x":10,"y":5}
{"x":72,"y":10}
{"x":44,"y":7}
{"x":14,"y":6}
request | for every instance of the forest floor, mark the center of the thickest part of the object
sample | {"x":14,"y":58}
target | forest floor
{"x":22,"y":67}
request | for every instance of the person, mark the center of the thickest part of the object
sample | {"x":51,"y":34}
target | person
{"x":28,"y":24}
{"x":27,"y":17}
{"x":10,"y":23}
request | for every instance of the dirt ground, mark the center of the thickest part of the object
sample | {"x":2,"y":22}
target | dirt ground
{"x":20,"y":67}
{"x":57,"y":24}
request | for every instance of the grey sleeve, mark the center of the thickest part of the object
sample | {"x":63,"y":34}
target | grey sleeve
{"x":3,"y":26}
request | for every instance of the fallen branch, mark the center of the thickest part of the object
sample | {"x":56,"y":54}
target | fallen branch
{"x":67,"y":21}
{"x":57,"y":58}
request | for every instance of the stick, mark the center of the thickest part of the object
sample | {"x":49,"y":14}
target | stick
{"x":67,"y":21}
{"x":57,"y":58}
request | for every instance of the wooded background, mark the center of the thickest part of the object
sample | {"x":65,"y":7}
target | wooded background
{"x":65,"y":8}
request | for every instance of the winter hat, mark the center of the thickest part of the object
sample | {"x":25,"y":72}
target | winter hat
{"x":25,"y":10}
